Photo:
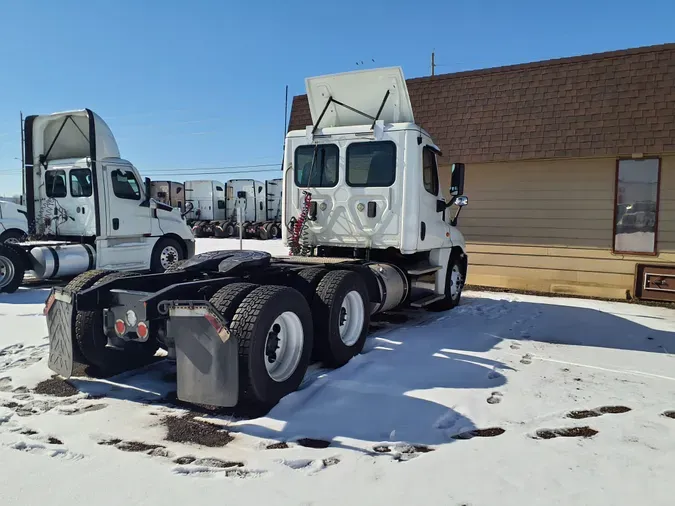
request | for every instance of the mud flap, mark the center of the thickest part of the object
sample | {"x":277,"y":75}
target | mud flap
{"x":207,"y":356}
{"x":59,"y":313}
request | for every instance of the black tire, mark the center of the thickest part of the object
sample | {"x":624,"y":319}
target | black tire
{"x":274,"y":231}
{"x":450,"y":301}
{"x":263,"y":233}
{"x":227,"y":299}
{"x":12,"y":269}
{"x":306,"y":282}
{"x":229,"y":230}
{"x":251,"y":325}
{"x":328,"y":317}
{"x":160,"y":249}
{"x":92,"y":340}
{"x":12,"y":235}
{"x":218,"y":230}
{"x":77,"y":284}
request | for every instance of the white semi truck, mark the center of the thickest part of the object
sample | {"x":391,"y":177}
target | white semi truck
{"x":369,"y":230}
{"x":87,"y":208}
{"x":207,"y":208}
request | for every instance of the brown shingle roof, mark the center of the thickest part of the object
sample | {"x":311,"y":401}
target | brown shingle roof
{"x":613,"y":103}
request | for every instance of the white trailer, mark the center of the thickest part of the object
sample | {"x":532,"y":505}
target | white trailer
{"x":13,"y":222}
{"x":207,"y":205}
{"x":87,"y":208}
{"x":369,"y":230}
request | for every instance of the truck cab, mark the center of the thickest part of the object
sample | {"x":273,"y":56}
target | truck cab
{"x":368,"y":179}
{"x":79,"y":190}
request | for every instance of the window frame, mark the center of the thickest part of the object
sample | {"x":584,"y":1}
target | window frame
{"x":295,"y":166}
{"x":368,"y":185}
{"x":436,"y":179}
{"x":65,"y":184}
{"x":124,"y":170}
{"x":654,"y":252}
{"x":70,"y":182}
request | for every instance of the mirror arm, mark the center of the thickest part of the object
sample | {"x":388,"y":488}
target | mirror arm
{"x":453,"y":222}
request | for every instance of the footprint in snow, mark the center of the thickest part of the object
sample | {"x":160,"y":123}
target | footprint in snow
{"x":591,"y":413}
{"x":40,"y":449}
{"x":495,"y":398}
{"x":402,"y":452}
{"x":515,"y":346}
{"x":527,"y":359}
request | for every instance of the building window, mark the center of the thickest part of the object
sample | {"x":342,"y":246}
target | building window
{"x":429,"y":171}
{"x":637,"y":200}
{"x":80,"y":183}
{"x":321,"y":161}
{"x":55,"y":184}
{"x":371,"y":163}
{"x":125,"y":185}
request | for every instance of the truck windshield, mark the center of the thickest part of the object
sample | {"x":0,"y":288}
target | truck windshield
{"x":321,"y":161}
{"x":371,"y":163}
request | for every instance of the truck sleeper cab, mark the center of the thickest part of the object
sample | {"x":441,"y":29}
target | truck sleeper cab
{"x":367,"y":234}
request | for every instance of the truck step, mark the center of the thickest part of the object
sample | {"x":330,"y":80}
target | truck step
{"x":423,"y":268}
{"x":427,"y":300}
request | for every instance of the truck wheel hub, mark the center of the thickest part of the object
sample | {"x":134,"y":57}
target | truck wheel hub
{"x":456,"y":281}
{"x":283,"y":346}
{"x":168,"y":257}
{"x":352,"y":316}
{"x":6,"y":272}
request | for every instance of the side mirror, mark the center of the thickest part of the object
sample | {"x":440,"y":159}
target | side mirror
{"x":457,"y":180}
{"x":462,"y":201}
{"x":188,"y":208}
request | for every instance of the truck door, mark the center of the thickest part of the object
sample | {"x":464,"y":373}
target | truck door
{"x":432,"y":228}
{"x":125,"y":214}
{"x":69,"y":213}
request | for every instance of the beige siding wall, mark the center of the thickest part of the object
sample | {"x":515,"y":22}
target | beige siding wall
{"x":547,"y":226}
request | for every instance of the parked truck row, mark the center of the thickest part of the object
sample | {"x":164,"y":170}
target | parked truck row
{"x":369,"y":229}
{"x":216,"y":209}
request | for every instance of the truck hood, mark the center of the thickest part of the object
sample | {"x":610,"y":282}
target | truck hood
{"x":71,"y":134}
{"x":363,"y":90}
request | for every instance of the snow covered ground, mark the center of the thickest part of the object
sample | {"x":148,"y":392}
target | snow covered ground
{"x":507,"y":399}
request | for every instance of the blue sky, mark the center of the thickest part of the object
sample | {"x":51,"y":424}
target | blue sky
{"x":200,"y":83}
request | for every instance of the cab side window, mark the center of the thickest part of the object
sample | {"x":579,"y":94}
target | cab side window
{"x":125,"y":185}
{"x":80,"y":183}
{"x":55,"y":184}
{"x":430,"y":171}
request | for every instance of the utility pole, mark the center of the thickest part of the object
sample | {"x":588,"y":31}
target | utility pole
{"x":23,"y":164}
{"x":433,"y":63}
{"x":285,"y":129}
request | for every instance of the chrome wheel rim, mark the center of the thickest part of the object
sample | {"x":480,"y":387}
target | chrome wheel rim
{"x":6,"y":271}
{"x":168,"y":257}
{"x":352,"y":316}
{"x":283,"y":346}
{"x":12,"y":240}
{"x":456,"y":281}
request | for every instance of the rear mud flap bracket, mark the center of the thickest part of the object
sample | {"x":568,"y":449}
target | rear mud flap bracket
{"x":207,"y":356}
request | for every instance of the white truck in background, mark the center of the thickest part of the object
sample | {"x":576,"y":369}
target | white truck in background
{"x":87,"y":208}
{"x":369,"y":230}
{"x":206,"y":201}
{"x":215,"y":204}
{"x":171,"y":193}
{"x":13,"y":222}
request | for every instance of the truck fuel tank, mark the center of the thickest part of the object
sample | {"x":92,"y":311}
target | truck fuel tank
{"x":62,"y":260}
